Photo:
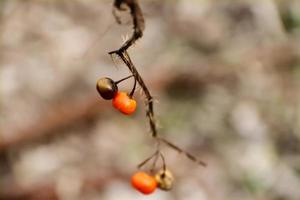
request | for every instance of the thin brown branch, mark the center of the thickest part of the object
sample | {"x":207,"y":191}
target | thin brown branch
{"x":179,"y":150}
{"x":148,"y":159}
{"x":139,"y":26}
{"x":163,"y":161}
{"x":133,"y":89}
{"x":123,"y":79}
{"x":137,"y":18}
{"x":149,"y":99}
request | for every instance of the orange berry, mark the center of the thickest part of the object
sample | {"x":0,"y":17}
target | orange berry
{"x":143,"y":182}
{"x":124,"y":103}
{"x":119,"y":99}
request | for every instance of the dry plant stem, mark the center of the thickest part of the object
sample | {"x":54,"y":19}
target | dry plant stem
{"x":133,"y":89}
{"x":138,"y":27}
{"x":138,"y":21}
{"x":163,"y":161}
{"x":123,"y":79}
{"x":152,"y":170}
{"x":150,"y":112}
{"x":179,"y":150}
{"x":134,"y":85}
{"x":149,"y":99}
{"x":155,"y":155}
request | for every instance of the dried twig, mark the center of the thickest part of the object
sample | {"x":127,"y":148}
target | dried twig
{"x":156,"y":153}
{"x":187,"y":154}
{"x":138,"y":27}
{"x":138,"y":21}
{"x":149,"y":99}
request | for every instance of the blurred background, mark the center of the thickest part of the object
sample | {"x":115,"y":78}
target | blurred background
{"x":225,"y":76}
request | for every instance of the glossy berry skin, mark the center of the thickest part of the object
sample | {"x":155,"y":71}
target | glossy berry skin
{"x":107,"y":88}
{"x":143,"y":182}
{"x":124,"y":103}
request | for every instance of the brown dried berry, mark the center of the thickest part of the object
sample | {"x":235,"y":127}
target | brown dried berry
{"x":164,"y":179}
{"x":107,"y":88}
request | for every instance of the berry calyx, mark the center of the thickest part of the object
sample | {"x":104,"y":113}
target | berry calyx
{"x":143,"y":182}
{"x":124,"y":103}
{"x":107,"y":88}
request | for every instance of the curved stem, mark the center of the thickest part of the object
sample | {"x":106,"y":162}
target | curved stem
{"x":148,"y":159}
{"x":163,"y":161}
{"x":133,"y":89}
{"x":123,"y":79}
{"x":154,"y":163}
{"x":137,"y":19}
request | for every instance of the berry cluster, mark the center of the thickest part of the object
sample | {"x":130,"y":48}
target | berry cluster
{"x":147,"y":184}
{"x":122,"y":101}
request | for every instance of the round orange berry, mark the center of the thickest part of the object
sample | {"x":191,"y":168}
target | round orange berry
{"x":143,"y":182}
{"x":124,"y":103}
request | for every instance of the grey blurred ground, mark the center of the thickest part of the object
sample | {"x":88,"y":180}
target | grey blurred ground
{"x":225,"y":75}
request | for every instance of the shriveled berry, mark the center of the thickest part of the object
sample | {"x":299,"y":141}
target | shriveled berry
{"x":107,"y":88}
{"x":143,"y":182}
{"x":164,"y":179}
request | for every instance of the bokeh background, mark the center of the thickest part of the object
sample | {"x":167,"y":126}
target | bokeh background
{"x":225,"y":76}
